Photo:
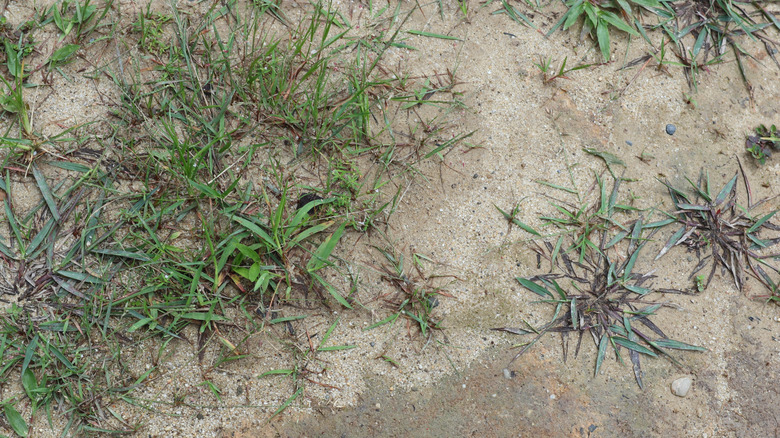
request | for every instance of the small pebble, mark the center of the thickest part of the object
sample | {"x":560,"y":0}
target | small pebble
{"x":671,"y":129}
{"x":681,"y":386}
{"x":378,"y":406}
{"x":507,"y":374}
{"x":628,"y":142}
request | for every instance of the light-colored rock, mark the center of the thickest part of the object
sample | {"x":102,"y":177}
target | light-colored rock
{"x":681,"y":386}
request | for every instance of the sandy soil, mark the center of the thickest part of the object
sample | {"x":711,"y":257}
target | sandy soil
{"x":529,"y":130}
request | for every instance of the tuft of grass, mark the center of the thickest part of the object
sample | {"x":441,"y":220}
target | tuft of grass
{"x":243,"y":146}
{"x":582,"y":221}
{"x":416,"y":295}
{"x":605,"y":299}
{"x":548,"y":73}
{"x":307,"y":363}
{"x":699,"y":32}
{"x":599,"y":16}
{"x":599,"y":292}
{"x":716,"y":223}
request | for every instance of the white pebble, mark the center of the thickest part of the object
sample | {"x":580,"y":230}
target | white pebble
{"x":681,"y":386}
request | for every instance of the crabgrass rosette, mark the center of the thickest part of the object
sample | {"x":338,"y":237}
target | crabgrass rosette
{"x":719,"y":225}
{"x":608,"y":301}
{"x":592,"y":292}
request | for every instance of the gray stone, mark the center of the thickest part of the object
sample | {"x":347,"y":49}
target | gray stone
{"x":681,"y":386}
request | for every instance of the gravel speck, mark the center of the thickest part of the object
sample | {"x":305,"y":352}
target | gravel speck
{"x":671,"y":129}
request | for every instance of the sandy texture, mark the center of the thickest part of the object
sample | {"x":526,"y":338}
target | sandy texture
{"x":528,"y":130}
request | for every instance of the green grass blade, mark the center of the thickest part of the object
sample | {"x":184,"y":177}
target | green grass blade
{"x":535,"y":288}
{"x":671,"y":242}
{"x":46,"y":193}
{"x":677,"y":345}
{"x":761,"y":222}
{"x":726,"y":190}
{"x":9,"y":215}
{"x":255,"y":228}
{"x":433,"y":35}
{"x":29,"y":352}
{"x":637,"y":289}
{"x":516,"y":15}
{"x":389,"y":319}
{"x":277,"y":372}
{"x":514,"y":220}
{"x":140,"y":256}
{"x":630,"y":265}
{"x":565,"y":189}
{"x":288,"y":402}
{"x":337,"y":348}
{"x":618,"y":237}
{"x":602,"y":352}
{"x":15,"y":420}
{"x":633,"y":346}
{"x":602,"y":35}
{"x":331,"y":290}
{"x":320,"y":256}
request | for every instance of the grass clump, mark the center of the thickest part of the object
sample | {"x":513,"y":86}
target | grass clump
{"x":416,"y":295}
{"x":606,"y":300}
{"x":599,"y":16}
{"x":599,"y":294}
{"x":702,"y":30}
{"x":548,"y":72}
{"x":717,"y":224}
{"x":240,"y":147}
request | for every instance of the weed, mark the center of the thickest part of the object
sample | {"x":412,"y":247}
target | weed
{"x":582,"y":220}
{"x":416,"y":296}
{"x":724,"y":228}
{"x":306,"y":363}
{"x":602,"y":294}
{"x":702,"y":30}
{"x":13,"y":102}
{"x":151,"y":27}
{"x":274,"y":252}
{"x":604,"y":298}
{"x":513,"y":13}
{"x":197,"y":203}
{"x":599,"y":17}
{"x":70,"y":14}
{"x":763,"y":143}
{"x":548,"y":75}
